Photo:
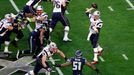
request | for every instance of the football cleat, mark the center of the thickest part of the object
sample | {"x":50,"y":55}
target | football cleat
{"x":94,"y":62}
{"x":18,"y":55}
{"x":67,"y":40}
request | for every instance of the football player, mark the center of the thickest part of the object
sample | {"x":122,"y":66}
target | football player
{"x":58,"y":15}
{"x":77,"y":63}
{"x":5,"y":31}
{"x":94,"y":31}
{"x":30,"y":7}
{"x":20,"y":21}
{"x":41,"y":61}
{"x":37,"y":35}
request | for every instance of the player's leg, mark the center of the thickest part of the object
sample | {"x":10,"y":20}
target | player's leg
{"x":29,"y":10}
{"x":100,"y":49}
{"x":41,"y":37}
{"x":19,"y":36}
{"x":7,"y":42}
{"x":32,"y":43}
{"x":47,"y":36}
{"x":38,"y":66}
{"x":94,"y":40}
{"x":53,"y":22}
{"x":65,"y":23}
{"x":37,"y":51}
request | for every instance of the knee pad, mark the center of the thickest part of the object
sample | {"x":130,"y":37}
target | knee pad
{"x":66,"y":28}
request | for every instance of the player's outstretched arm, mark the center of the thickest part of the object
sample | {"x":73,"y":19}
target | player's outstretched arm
{"x":93,"y":6}
{"x":43,"y":59}
{"x":62,"y":54}
{"x":63,"y":65}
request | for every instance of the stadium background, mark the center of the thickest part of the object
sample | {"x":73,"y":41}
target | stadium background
{"x":116,"y":35}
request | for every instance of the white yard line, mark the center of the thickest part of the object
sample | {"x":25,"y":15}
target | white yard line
{"x":110,"y":8}
{"x":100,"y":57}
{"x":13,"y":72}
{"x":57,"y":68}
{"x":17,"y":9}
{"x":54,"y":60}
{"x":130,"y":4}
{"x":125,"y":57}
{"x":14,"y":5}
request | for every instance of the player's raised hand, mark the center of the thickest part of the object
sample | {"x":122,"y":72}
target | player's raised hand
{"x":94,"y":5}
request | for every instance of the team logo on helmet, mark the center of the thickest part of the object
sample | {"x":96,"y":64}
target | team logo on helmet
{"x":53,"y":45}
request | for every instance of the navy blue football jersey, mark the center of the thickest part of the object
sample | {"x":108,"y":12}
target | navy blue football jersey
{"x":77,"y":65}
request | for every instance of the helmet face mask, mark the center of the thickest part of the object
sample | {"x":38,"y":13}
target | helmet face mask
{"x":78,"y":53}
{"x":39,"y":10}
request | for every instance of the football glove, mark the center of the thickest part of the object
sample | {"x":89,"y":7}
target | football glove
{"x":57,"y":65}
{"x":65,"y":58}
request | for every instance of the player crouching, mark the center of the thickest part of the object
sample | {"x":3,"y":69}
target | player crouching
{"x":41,"y":61}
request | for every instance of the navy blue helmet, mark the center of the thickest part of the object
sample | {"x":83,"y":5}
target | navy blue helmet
{"x":78,"y":53}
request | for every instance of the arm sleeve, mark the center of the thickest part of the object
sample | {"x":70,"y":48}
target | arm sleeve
{"x":99,"y":25}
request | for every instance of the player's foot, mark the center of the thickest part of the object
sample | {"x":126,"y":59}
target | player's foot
{"x":94,"y":62}
{"x":7,"y":52}
{"x":100,"y":52}
{"x":18,"y":55}
{"x":67,"y":40}
{"x":14,"y":43}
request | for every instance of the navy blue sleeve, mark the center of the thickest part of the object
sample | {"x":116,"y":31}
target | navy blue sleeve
{"x":18,"y":18}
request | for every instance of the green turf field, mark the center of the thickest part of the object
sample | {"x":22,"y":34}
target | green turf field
{"x":116,"y":35}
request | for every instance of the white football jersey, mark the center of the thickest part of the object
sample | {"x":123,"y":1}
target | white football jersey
{"x":4,"y":24}
{"x":57,"y":5}
{"x":39,"y":23}
{"x":46,"y":52}
{"x":97,"y":23}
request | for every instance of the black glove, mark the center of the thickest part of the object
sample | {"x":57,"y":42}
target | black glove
{"x":65,"y":58}
{"x":57,"y":65}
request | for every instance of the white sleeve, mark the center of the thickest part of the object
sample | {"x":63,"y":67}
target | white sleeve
{"x":99,"y":25}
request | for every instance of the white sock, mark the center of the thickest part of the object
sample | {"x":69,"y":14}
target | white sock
{"x":95,"y":54}
{"x":66,"y":31}
{"x":16,"y":39}
{"x":65,"y":35}
{"x":99,"y":48}
{"x":6,"y":46}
